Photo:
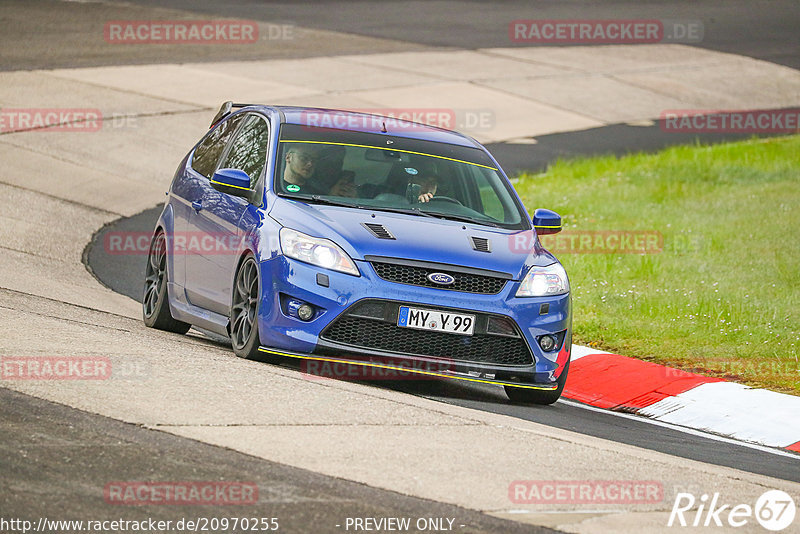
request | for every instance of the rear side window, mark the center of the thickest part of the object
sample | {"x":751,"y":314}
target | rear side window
{"x":211,"y":148}
{"x":249,"y":150}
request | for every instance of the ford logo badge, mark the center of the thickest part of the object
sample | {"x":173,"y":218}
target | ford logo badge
{"x":441,"y":278}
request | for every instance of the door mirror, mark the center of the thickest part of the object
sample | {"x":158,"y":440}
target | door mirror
{"x":546,"y":222}
{"x":232,"y":181}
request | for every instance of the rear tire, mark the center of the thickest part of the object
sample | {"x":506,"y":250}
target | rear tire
{"x":537,"y":396}
{"x":244,"y":311}
{"x":155,"y":305}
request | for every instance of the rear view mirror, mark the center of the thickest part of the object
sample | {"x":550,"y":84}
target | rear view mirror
{"x":546,"y":222}
{"x":231,"y":181}
{"x":377,"y":154}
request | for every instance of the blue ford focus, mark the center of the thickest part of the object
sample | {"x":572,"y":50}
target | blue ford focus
{"x":348,"y":237}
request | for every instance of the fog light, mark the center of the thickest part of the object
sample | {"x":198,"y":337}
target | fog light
{"x":305,"y":312}
{"x":300,"y":309}
{"x":548,"y":343}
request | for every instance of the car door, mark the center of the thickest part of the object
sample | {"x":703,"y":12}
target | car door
{"x":217,"y":222}
{"x":189,"y":187}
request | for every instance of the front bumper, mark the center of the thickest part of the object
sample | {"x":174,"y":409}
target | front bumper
{"x":334,"y":295}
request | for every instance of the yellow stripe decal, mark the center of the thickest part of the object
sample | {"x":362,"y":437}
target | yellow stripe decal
{"x":389,"y":149}
{"x":229,"y":185}
{"x":406,"y":369}
{"x":536,"y":226}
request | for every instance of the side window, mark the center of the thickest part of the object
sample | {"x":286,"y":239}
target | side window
{"x":208,"y":152}
{"x":249,"y":150}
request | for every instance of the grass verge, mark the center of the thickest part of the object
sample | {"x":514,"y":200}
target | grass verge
{"x":716,"y":289}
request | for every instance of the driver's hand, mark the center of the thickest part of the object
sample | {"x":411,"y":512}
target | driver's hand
{"x":425,"y":197}
{"x":343,"y":188}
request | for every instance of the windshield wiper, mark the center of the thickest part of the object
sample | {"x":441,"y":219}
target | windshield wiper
{"x":323,"y":200}
{"x":436,"y":215}
{"x":407,"y":211}
{"x":462,"y":218}
{"x":326,"y":200}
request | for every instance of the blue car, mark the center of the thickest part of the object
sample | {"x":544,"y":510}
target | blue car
{"x":334,"y":236}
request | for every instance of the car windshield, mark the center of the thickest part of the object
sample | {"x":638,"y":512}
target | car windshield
{"x":382,"y":172}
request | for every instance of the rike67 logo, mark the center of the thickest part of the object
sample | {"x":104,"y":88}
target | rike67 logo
{"x":774,"y":510}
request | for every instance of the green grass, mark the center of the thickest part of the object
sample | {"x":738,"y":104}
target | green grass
{"x":721,"y":298}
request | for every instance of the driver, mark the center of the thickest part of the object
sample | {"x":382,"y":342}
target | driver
{"x":428,"y":186}
{"x":345,"y":185}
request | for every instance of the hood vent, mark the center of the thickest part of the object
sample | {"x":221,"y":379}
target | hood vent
{"x":481,"y":244}
{"x":379,"y":231}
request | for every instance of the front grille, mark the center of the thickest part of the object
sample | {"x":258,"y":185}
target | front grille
{"x":418,"y":276}
{"x":373,"y":325}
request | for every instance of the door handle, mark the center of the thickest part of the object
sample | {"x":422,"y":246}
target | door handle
{"x":197,"y":206}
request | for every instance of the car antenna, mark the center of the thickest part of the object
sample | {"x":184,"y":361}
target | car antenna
{"x":383,"y":130}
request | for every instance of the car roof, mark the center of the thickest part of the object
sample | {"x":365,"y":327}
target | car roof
{"x":371,"y":123}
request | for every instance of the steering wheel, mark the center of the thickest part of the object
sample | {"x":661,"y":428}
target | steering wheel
{"x":446,"y":199}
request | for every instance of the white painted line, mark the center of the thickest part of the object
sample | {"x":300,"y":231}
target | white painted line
{"x":579,"y":351}
{"x":684,"y":430}
{"x":750,"y":414}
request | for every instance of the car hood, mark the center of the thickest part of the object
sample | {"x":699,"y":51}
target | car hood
{"x":415,"y":237}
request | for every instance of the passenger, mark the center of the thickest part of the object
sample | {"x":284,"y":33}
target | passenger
{"x":301,"y":159}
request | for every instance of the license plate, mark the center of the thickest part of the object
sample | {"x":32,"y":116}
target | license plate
{"x":438,"y":321}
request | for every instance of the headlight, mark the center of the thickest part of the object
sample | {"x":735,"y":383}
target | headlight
{"x":321,"y":252}
{"x":544,"y":281}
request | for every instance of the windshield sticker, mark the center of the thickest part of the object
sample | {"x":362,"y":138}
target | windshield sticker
{"x":411,"y":170}
{"x":293,"y":188}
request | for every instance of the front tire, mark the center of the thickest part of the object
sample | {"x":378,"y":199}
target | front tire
{"x":244,"y":311}
{"x":155,"y":305}
{"x":537,"y":396}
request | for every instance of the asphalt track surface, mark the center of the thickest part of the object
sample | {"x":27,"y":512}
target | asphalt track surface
{"x":65,"y":457}
{"x":763,"y":29}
